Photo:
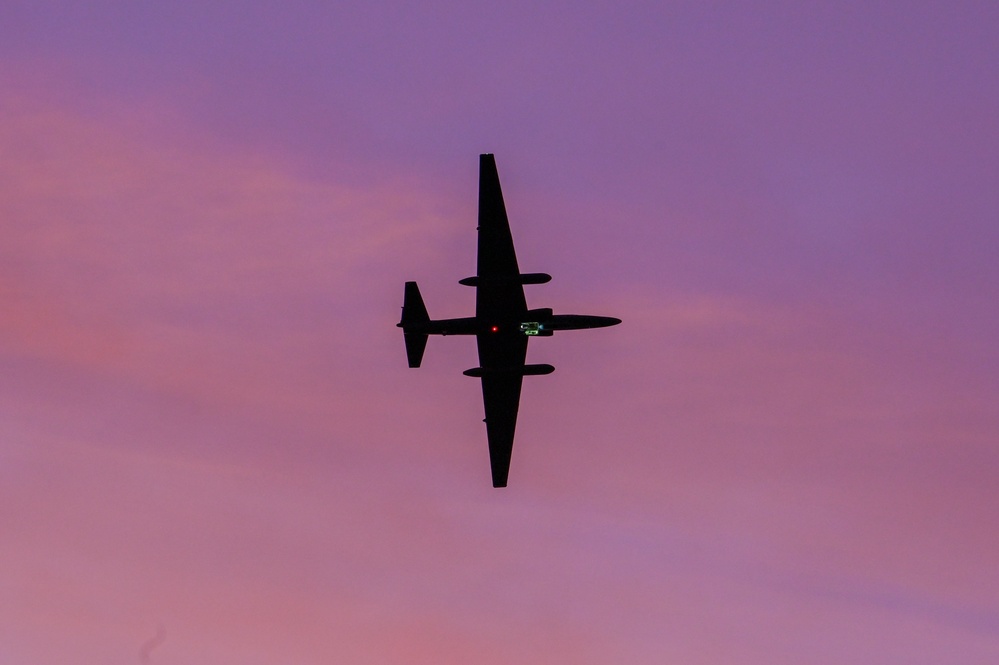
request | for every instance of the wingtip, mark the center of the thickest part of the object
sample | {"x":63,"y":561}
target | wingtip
{"x":499,"y":478}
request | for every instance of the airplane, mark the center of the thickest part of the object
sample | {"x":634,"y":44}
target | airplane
{"x":502,"y":324}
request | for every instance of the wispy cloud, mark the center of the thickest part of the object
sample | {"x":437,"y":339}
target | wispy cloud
{"x":146,"y":650}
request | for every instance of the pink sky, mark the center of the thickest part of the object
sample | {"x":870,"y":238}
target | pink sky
{"x":786,"y":454}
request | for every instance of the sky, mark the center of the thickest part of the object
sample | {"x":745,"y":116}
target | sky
{"x":211,"y":447}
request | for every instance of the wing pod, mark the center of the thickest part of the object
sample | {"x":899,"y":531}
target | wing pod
{"x":526,"y":370}
{"x":522,"y":278}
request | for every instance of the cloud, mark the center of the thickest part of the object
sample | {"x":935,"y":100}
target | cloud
{"x":154,"y":254}
{"x":146,"y":650}
{"x":206,"y":410}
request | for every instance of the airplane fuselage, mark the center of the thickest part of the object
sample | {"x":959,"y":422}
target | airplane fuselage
{"x":530,"y":325}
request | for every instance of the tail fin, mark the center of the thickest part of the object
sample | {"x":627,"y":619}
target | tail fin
{"x":414,"y":312}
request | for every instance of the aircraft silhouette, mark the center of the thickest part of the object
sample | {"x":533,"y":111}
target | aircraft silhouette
{"x":502,"y":324}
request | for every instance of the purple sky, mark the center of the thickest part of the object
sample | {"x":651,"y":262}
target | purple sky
{"x":211,"y":448}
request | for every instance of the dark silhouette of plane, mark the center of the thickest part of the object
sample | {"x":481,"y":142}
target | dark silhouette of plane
{"x":502,"y":324}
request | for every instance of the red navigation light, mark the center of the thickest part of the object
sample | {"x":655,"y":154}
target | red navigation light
{"x":495,"y":328}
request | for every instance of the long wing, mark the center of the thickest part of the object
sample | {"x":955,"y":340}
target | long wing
{"x":499,"y":295}
{"x":501,"y":396}
{"x":499,"y":302}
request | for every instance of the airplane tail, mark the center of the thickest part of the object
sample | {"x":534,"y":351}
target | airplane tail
{"x":414,"y":312}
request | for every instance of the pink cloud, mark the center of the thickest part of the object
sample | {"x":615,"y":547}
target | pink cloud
{"x":208,"y":424}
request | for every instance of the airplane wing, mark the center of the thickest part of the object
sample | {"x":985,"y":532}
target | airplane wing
{"x":499,"y":298}
{"x":499,"y":294}
{"x":501,"y":397}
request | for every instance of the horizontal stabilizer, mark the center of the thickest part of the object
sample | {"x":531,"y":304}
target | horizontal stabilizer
{"x":416,"y":344}
{"x":522,"y":278}
{"x":414,"y":313}
{"x":525,"y":370}
{"x":413,"y":309}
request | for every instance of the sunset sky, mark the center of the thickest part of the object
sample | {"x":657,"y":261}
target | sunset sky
{"x":211,"y":447}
